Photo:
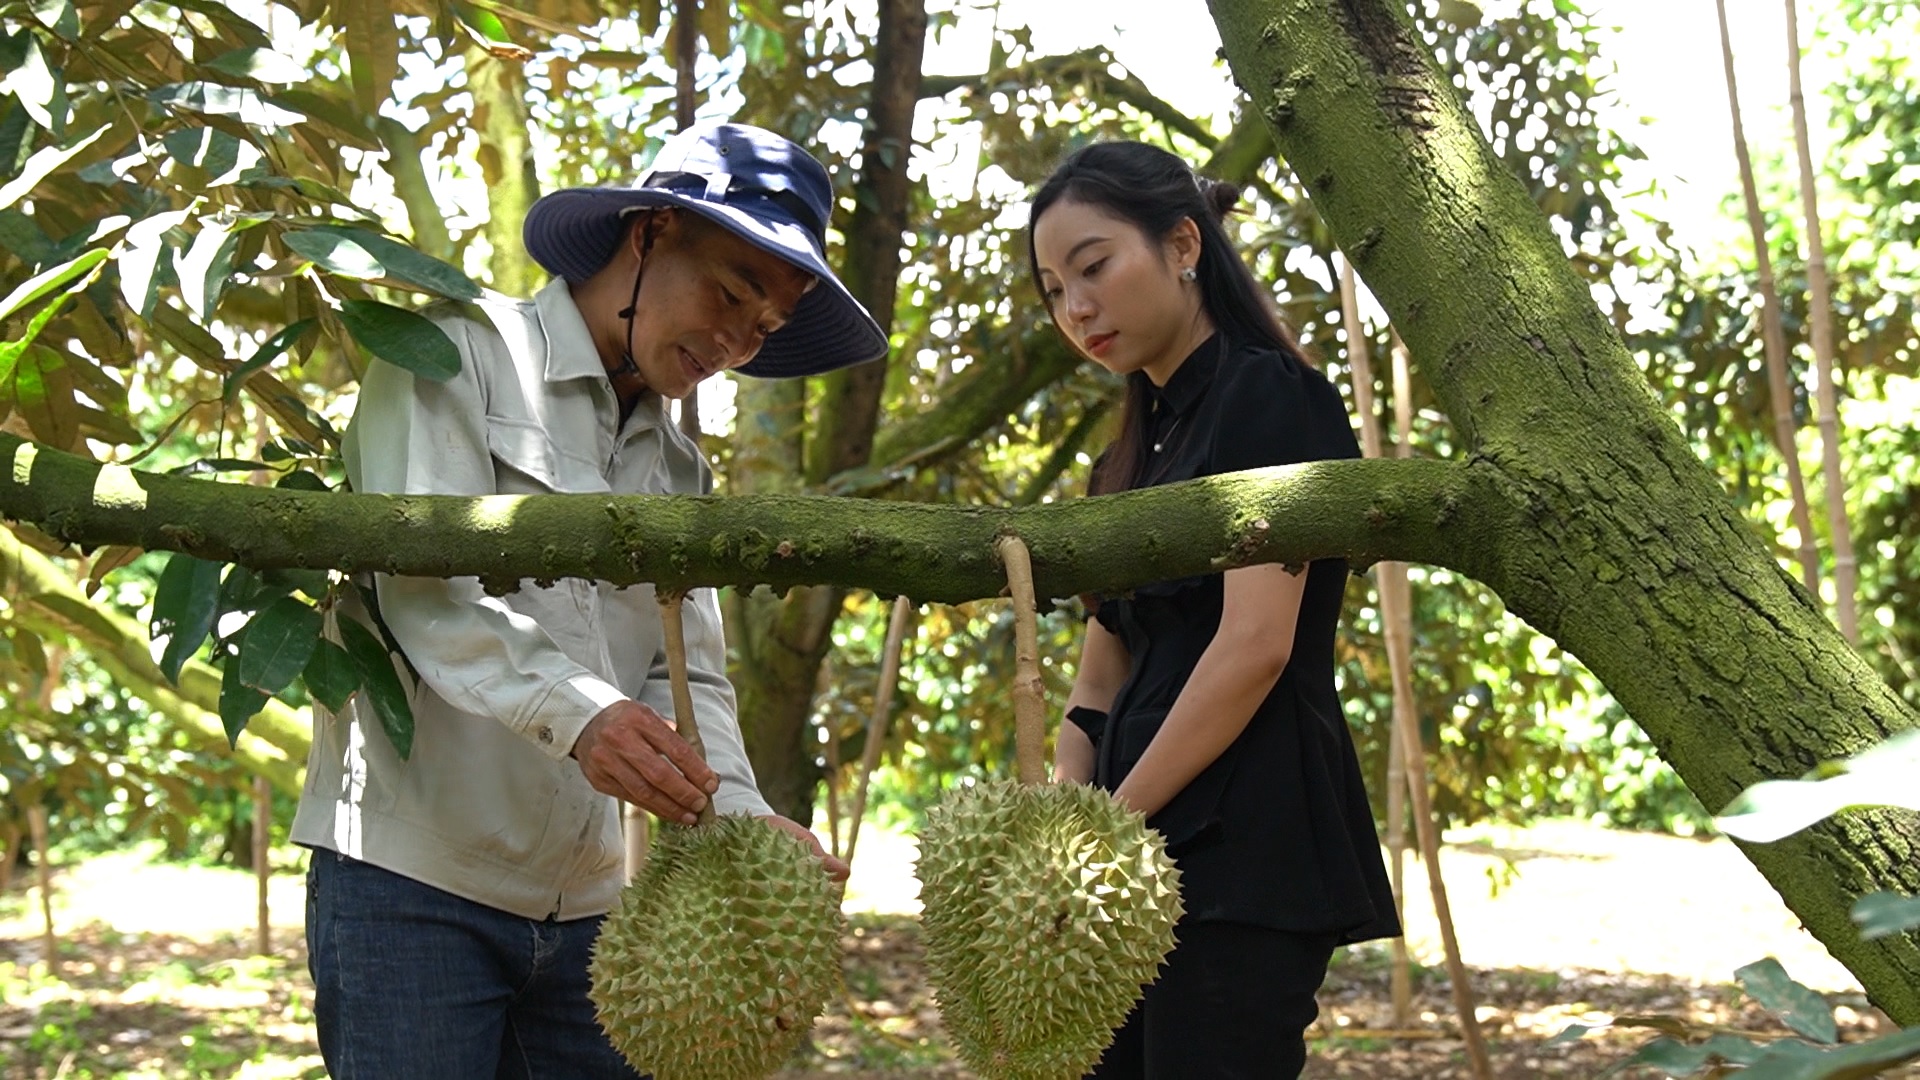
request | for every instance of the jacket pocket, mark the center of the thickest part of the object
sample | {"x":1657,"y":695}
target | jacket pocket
{"x":534,"y":463}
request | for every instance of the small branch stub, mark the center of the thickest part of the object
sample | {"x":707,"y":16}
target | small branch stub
{"x":1029,"y":692}
{"x":683,"y":719}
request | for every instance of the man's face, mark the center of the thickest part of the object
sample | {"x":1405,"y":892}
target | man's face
{"x":707,"y":301}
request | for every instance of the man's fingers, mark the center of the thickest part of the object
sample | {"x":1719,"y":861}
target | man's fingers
{"x":675,"y":749}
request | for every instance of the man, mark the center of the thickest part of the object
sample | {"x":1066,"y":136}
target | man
{"x":453,"y":898}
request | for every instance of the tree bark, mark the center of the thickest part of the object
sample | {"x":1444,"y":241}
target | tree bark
{"x":1602,"y":528}
{"x":783,"y":642}
{"x":1820,"y":323}
{"x":850,"y":397}
{"x":1773,"y":338}
{"x":501,"y":118}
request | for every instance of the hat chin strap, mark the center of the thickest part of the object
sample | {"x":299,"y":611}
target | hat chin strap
{"x":627,"y":368}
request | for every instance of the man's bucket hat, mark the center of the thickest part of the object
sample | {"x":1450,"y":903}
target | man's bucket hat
{"x":757,"y":185}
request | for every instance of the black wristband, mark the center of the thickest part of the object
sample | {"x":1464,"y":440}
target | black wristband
{"x":1091,"y":721}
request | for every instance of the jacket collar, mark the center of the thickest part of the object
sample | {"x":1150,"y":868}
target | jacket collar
{"x":570,"y":352}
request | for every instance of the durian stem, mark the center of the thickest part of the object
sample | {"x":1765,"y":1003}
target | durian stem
{"x":1029,"y":692}
{"x":683,"y":721}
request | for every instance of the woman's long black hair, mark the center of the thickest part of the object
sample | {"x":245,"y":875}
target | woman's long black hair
{"x":1154,"y":191}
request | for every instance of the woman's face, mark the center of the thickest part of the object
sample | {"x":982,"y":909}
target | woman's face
{"x":1115,"y":293}
{"x":707,"y":302}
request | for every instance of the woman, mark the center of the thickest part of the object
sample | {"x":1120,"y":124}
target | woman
{"x":1208,"y":703}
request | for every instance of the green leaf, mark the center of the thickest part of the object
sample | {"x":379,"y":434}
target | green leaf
{"x":249,"y":107}
{"x":1881,"y":776}
{"x":302,"y":480}
{"x":314,"y":583}
{"x":335,"y":254}
{"x":373,"y":50}
{"x":206,"y":267}
{"x":278,"y":643}
{"x":1680,"y":1060}
{"x":184,"y":603}
{"x":402,"y":264}
{"x":267,"y":353}
{"x":59,"y":17}
{"x":1790,"y":1060}
{"x":47,"y":281}
{"x":43,"y":393}
{"x":1798,"y":1007}
{"x":260,"y":65}
{"x":489,"y":31}
{"x":139,"y":261}
{"x":41,"y":165}
{"x":402,"y":338}
{"x":239,"y":702}
{"x":330,"y":675}
{"x":1883,"y":914}
{"x":381,"y":684}
{"x":206,"y":148}
{"x":35,"y":86}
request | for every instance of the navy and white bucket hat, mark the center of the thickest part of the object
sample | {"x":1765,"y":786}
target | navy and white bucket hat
{"x":762,"y":188}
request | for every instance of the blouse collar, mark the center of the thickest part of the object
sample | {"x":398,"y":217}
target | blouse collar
{"x":1191,"y":379}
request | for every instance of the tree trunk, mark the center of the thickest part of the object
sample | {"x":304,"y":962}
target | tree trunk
{"x":1602,"y":528}
{"x":501,"y":117}
{"x":781,"y":643}
{"x":1774,"y":339}
{"x":1820,"y":323}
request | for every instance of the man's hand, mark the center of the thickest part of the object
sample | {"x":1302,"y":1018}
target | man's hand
{"x":630,"y":752}
{"x":836,"y":868}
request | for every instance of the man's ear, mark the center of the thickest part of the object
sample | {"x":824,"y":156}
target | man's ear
{"x":650,"y":227}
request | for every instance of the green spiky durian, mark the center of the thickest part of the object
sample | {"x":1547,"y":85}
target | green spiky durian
{"x":720,"y":953}
{"x":1046,"y":908}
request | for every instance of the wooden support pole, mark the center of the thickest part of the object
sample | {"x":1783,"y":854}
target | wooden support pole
{"x":43,"y":866}
{"x":262,"y":863}
{"x":890,"y":661}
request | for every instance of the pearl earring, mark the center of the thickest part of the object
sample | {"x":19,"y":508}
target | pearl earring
{"x":1189,"y":274}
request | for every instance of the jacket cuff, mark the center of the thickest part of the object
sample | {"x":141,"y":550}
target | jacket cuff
{"x":556,"y":724}
{"x":1091,"y":721}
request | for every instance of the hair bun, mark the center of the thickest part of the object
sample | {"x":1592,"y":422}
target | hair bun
{"x":1220,"y":197}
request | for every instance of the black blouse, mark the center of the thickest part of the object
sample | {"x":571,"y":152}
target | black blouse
{"x":1277,"y":831}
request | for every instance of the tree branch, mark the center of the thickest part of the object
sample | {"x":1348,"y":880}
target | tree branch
{"x":1094,"y":66}
{"x":1365,"y":511}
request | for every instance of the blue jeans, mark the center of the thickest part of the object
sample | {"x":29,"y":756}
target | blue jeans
{"x":413,"y":983}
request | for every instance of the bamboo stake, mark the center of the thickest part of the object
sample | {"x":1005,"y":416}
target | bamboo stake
{"x":1400,"y":632}
{"x":43,"y":867}
{"x":1413,"y":753}
{"x":833,"y":782}
{"x":890,"y":662}
{"x":1820,"y":319}
{"x":1029,"y":691}
{"x":262,"y":870}
{"x":683,"y":719}
{"x":1773,"y":337}
{"x":686,"y":36}
{"x":637,"y":828}
{"x":9,"y":854}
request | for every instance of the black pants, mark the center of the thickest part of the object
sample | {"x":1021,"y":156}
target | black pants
{"x":1233,"y":1002}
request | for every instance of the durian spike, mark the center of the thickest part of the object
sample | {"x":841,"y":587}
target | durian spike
{"x":1029,"y":692}
{"x":683,"y":721}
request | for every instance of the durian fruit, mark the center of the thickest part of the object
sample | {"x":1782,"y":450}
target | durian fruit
{"x":1045,"y":908}
{"x":726,"y":945}
{"x":720,"y":954}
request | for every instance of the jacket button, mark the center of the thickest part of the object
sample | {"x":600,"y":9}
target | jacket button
{"x":545,"y":734}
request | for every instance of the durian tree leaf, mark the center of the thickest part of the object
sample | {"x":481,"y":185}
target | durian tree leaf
{"x":239,"y":702}
{"x":334,"y":253}
{"x":43,"y":394}
{"x":278,"y":643}
{"x":402,"y":265}
{"x":35,"y":85}
{"x":44,"y":163}
{"x":205,"y":267}
{"x":1881,"y":914}
{"x":1797,"y":1006}
{"x":330,"y":675}
{"x":1881,"y":776}
{"x":381,"y":683}
{"x":260,"y":65}
{"x":250,"y":107}
{"x":1791,"y":1059}
{"x":48,"y":281}
{"x":58,"y":16}
{"x":269,"y":351}
{"x":184,"y":603}
{"x":402,"y":338}
{"x":12,"y":351}
{"x":139,"y":261}
{"x":373,"y":50}
{"x":206,"y":148}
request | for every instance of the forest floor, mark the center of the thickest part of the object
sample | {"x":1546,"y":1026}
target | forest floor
{"x":1560,"y":923}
